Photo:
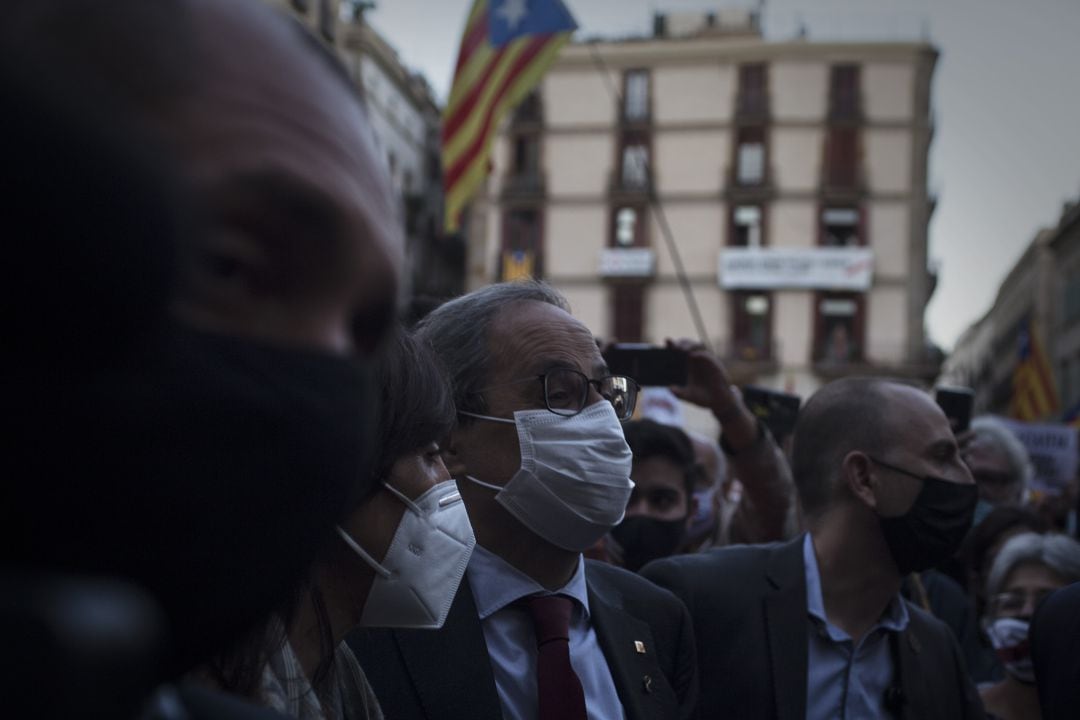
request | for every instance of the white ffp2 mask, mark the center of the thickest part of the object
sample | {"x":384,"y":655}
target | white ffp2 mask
{"x":574,"y":481}
{"x":415,"y":583}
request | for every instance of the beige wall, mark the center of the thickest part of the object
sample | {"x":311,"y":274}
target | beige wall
{"x":668,"y":316}
{"x":887,"y":159}
{"x":693,"y":94}
{"x":690,"y":162}
{"x":886,"y":323}
{"x":698,"y":229}
{"x":888,"y":91}
{"x":793,"y":326}
{"x":572,"y":97}
{"x":798,"y":91}
{"x":573,"y":238}
{"x":591,"y":305}
{"x":792,"y":223}
{"x":888,"y":228}
{"x":578,"y":164}
{"x":796,"y":158}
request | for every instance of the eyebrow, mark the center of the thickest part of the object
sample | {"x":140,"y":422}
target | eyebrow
{"x":941,"y":447}
{"x":265,"y":198}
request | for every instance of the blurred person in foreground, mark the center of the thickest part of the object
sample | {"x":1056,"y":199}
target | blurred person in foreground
{"x":816,"y":627}
{"x":540,"y":459}
{"x":1028,"y":568}
{"x":662,"y":503}
{"x":204,"y":451}
{"x":399,"y":557}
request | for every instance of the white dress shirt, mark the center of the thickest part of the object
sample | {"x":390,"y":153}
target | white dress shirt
{"x":511,"y":640}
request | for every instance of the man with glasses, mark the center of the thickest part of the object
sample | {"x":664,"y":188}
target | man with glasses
{"x":537,"y":632}
{"x":816,"y":628}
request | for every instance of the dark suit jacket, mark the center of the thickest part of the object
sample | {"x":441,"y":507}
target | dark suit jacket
{"x":748,"y":605}
{"x":435,"y":674}
{"x":1055,"y":637}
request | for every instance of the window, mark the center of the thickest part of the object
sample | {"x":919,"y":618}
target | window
{"x":842,"y":157}
{"x":750,"y":157}
{"x":634,"y":170}
{"x":526,"y":154}
{"x":521,"y":255}
{"x":840,"y":227}
{"x":1072,"y":297}
{"x":627,"y":316}
{"x":844,"y":92}
{"x":752,"y":325}
{"x":839,"y":328}
{"x":746,"y":226}
{"x":753,"y":98}
{"x":636,"y":96}
{"x":528,"y":110}
{"x":629,"y":228}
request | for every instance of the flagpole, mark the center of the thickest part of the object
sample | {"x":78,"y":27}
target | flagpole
{"x":658,"y":209}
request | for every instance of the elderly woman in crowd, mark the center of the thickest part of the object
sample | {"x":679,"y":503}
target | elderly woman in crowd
{"x":396,"y":559}
{"x":1028,"y":568}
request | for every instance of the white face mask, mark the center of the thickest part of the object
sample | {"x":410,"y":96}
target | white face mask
{"x":1009,"y":636}
{"x":574,"y":481}
{"x":416,"y":582}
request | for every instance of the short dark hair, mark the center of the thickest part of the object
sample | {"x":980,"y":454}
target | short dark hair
{"x":415,"y":402}
{"x":997,"y":522}
{"x":845,"y":415}
{"x":648,"y":438}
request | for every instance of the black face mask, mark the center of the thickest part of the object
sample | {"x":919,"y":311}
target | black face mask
{"x":935,"y":525}
{"x":644,"y":539}
{"x":208,"y":469}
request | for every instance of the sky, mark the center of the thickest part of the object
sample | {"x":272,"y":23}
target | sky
{"x":1006,"y":150}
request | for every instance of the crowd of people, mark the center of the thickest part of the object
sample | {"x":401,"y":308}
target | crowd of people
{"x":242,"y":488}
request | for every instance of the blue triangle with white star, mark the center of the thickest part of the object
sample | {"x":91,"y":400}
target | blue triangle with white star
{"x":510,"y":19}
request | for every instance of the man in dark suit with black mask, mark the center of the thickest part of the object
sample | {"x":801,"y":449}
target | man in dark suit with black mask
{"x":816,"y":627}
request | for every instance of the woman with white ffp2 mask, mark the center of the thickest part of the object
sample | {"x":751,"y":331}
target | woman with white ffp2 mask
{"x":395,"y":560}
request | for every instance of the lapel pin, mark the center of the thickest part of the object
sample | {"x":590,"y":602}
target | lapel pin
{"x":639,"y":647}
{"x":914,"y":643}
{"x":647,"y":682}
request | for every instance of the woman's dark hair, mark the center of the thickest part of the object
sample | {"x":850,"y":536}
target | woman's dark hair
{"x":416,"y":405}
{"x":998,"y":521}
{"x":648,"y":438}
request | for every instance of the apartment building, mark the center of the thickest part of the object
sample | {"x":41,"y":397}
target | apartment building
{"x":792,"y":176}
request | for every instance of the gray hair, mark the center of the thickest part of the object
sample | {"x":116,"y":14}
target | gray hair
{"x":459,"y":330}
{"x":991,"y":429}
{"x":1059,"y":553}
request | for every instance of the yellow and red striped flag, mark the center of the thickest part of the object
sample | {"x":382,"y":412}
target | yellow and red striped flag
{"x":1034,"y":395}
{"x":505,"y":49}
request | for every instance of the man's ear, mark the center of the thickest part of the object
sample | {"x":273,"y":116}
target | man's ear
{"x":857,"y":473}
{"x":450,"y":457}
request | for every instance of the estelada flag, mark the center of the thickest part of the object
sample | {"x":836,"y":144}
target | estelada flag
{"x":1034,"y":395}
{"x":505,"y":49}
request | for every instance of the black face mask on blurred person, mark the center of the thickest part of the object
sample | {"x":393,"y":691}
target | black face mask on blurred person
{"x":644,"y":539}
{"x":935,"y":525}
{"x":210,"y":469}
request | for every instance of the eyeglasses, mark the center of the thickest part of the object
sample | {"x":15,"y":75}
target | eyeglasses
{"x":1014,"y":602}
{"x":566,"y":391}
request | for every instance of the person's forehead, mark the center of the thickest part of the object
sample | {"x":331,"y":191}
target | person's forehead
{"x":915,"y":418}
{"x":1032,"y":575}
{"x":657,"y":471}
{"x":532,"y":336}
{"x":268,"y":103}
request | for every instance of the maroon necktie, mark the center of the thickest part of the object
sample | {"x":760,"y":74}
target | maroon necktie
{"x":558,"y":686}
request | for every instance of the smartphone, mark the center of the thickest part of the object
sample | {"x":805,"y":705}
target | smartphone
{"x":776,"y":410}
{"x":647,"y":364}
{"x":956,"y":403}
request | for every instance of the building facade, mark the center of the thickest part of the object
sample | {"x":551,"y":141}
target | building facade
{"x":792,"y":177}
{"x":1043,"y":287}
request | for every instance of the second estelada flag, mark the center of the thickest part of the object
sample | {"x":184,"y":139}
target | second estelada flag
{"x":505,"y":49}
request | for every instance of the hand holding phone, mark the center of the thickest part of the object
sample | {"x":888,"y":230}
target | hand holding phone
{"x":956,"y":403}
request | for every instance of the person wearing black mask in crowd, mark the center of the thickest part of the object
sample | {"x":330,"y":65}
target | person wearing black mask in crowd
{"x":194,"y":406}
{"x":816,"y":627}
{"x":398,"y":559}
{"x":662,"y":502}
